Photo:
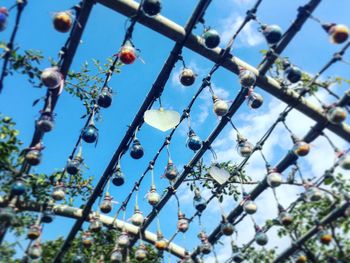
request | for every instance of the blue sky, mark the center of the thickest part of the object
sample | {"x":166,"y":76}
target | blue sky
{"x":103,"y":35}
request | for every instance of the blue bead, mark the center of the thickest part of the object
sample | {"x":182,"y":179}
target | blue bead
{"x":90,"y":134}
{"x":18,"y":188}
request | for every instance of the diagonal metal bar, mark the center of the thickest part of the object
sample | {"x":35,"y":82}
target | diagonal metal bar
{"x":175,"y":32}
{"x":153,"y":94}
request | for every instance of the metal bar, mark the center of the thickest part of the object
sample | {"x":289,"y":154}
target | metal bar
{"x":76,"y":213}
{"x":334,"y":215}
{"x":175,"y":32}
{"x":154,"y":93}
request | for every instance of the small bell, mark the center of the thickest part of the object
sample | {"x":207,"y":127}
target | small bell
{"x":336,"y":115}
{"x":137,"y":218}
{"x":33,"y":156}
{"x":90,"y":133}
{"x":62,"y":21}
{"x":205,"y":247}
{"x":325,"y":237}
{"x":136,"y":150}
{"x":51,"y":78}
{"x":116,"y":256}
{"x":3,"y":18}
{"x":338,"y":33}
{"x":46,"y":122}
{"x":73,"y":166}
{"x":95,"y":224}
{"x":104,"y":99}
{"x":59,"y":192}
{"x":34,"y":232}
{"x":226,"y":227}
{"x":35,"y":251}
{"x":182,"y":223}
{"x":274,"y":179}
{"x":187,"y":77}
{"x":160,"y":244}
{"x":87,"y":239}
{"x":141,"y":253}
{"x":152,"y":7}
{"x":300,"y":147}
{"x":345,"y":162}
{"x":123,"y":240}
{"x":170,"y":171}
{"x":198,"y":201}
{"x":153,"y":197}
{"x":250,"y":207}
{"x":106,"y":204}
{"x":272,"y":33}
{"x":313,"y":194}
{"x":7,"y":215}
{"x":261,"y":238}
{"x":247,"y":78}
{"x":18,"y":187}
{"x":193,"y":141}
{"x":211,"y":38}
{"x":118,"y":177}
{"x":244,"y":148}
{"x":220,"y":106}
{"x":127,"y":53}
{"x":255,"y":100}
{"x":292,"y":73}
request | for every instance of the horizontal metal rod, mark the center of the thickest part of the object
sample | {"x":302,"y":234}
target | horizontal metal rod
{"x":175,"y":32}
{"x":76,"y":213}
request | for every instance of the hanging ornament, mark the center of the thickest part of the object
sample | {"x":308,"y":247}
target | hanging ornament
{"x":51,"y":78}
{"x":87,"y":239}
{"x":255,"y":100}
{"x":35,"y":251}
{"x":292,"y":73}
{"x":284,"y":217}
{"x":62,"y":21}
{"x":260,"y":237}
{"x":300,"y":257}
{"x":137,"y":218}
{"x":336,"y":115}
{"x":90,"y":132}
{"x":46,"y":121}
{"x":247,"y":78}
{"x":338,"y":33}
{"x":205,"y":247}
{"x":220,"y":106}
{"x":244,"y":148}
{"x":48,"y":215}
{"x":34,"y":232}
{"x":59,"y":192}
{"x":136,"y":150}
{"x":160,"y":244}
{"x":220,"y":175}
{"x":272,"y":33}
{"x":226,"y":227}
{"x":95,"y":223}
{"x":182,"y":223}
{"x":187,"y":77}
{"x":3,"y":18}
{"x":313,"y":194}
{"x":345,"y":162}
{"x":116,"y":255}
{"x":237,"y":255}
{"x":104,"y":99}
{"x":250,"y":207}
{"x":18,"y":187}
{"x":198,"y":201}
{"x":187,"y":258}
{"x":273,"y":178}
{"x":153,"y":197}
{"x":141,"y":252}
{"x":106,"y":204}
{"x":325,"y":237}
{"x":300,"y":147}
{"x":7,"y":215}
{"x":193,"y":141}
{"x":162,"y":119}
{"x":73,"y":166}
{"x":123,"y":240}
{"x":118,"y":178}
{"x":127,"y":53}
{"x":152,"y":7}
{"x":170,"y":171}
{"x":33,"y":156}
{"x":211,"y":38}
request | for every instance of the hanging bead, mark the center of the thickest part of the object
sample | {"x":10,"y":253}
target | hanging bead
{"x":227,"y":228}
{"x":293,"y":74}
{"x":33,"y":156}
{"x":205,"y":247}
{"x":152,"y":7}
{"x":95,"y":224}
{"x":237,"y":255}
{"x":187,"y":77}
{"x":182,"y":223}
{"x":338,"y":33}
{"x":198,"y":201}
{"x":272,"y":33}
{"x":300,"y":147}
{"x":51,"y":78}
{"x":3,"y":18}
{"x":153,"y":197}
{"x":325,"y":237}
{"x":244,"y":148}
{"x":274,"y":178}
{"x":136,"y":151}
{"x":255,"y":100}
{"x":116,"y":256}
{"x":87,"y":239}
{"x":47,"y":216}
{"x":300,"y":257}
{"x":90,"y":133}
{"x":118,"y":178}
{"x":247,"y":78}
{"x":137,"y":218}
{"x":193,"y":141}
{"x":62,"y":21}
{"x":35,"y":251}
{"x":18,"y":187}
{"x":106,"y":204}
{"x":123,"y":240}
{"x":127,"y":53}
{"x":211,"y":38}
{"x":73,"y":166}
{"x":261,"y":238}
{"x":250,"y":207}
{"x":160,"y":244}
{"x":170,"y":171}
{"x":345,"y":162}
{"x":34,"y":232}
{"x":59,"y":192}
{"x":104,"y":99}
{"x":336,"y":115}
{"x":46,"y":122}
{"x":314,"y":194}
{"x":141,"y":253}
{"x":285,"y":218}
{"x":220,"y":106}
